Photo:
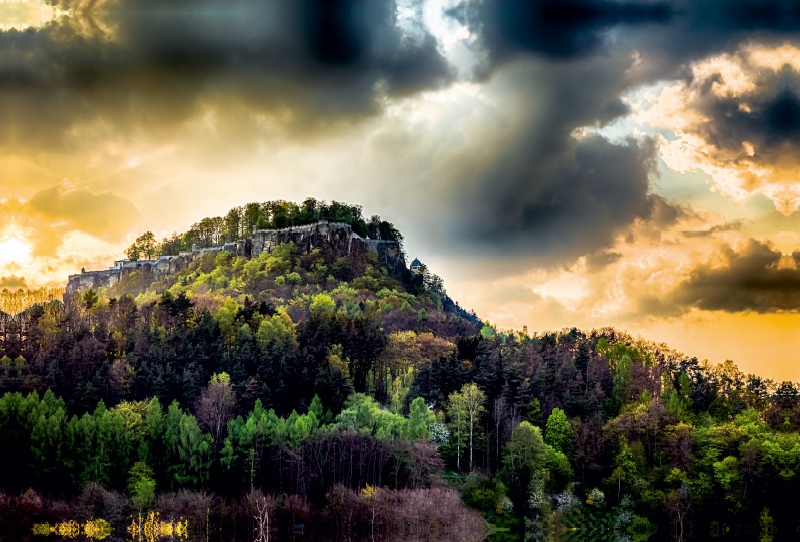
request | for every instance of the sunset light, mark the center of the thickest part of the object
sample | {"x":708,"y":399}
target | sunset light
{"x":14,"y":250}
{"x":394,"y":270}
{"x":24,"y":14}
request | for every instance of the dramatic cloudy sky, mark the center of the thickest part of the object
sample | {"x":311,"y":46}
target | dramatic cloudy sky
{"x":558,"y":162}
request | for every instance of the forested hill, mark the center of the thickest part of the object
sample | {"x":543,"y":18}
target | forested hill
{"x":325,"y":380}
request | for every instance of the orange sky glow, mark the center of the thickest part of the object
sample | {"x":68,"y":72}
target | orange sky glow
{"x":473,"y":166}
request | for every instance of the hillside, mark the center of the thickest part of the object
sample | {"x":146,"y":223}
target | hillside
{"x":328,"y":377}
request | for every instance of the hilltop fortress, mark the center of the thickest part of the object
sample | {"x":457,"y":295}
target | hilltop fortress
{"x":337,"y":237}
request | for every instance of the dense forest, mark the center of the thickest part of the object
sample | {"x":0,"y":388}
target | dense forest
{"x":362,"y":405}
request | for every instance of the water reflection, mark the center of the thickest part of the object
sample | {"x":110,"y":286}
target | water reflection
{"x":97,"y":529}
{"x":142,"y":528}
{"x":151,"y":528}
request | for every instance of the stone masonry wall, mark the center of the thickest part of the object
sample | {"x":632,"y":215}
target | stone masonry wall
{"x":335,"y":236}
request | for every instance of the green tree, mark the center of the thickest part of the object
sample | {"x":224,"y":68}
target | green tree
{"x":132,"y":252}
{"x":523,"y":466}
{"x":95,"y":436}
{"x":316,"y":407}
{"x":277,"y":329}
{"x":558,"y":431}
{"x":186,"y":449}
{"x":459,"y":426}
{"x":419,"y":420}
{"x":145,"y":246}
{"x":48,"y":447}
{"x":767,"y":524}
{"x":625,"y":464}
{"x":141,"y":485}
{"x":90,"y":298}
{"x":474,"y":399}
{"x":322,"y":304}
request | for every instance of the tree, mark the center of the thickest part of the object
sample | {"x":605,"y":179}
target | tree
{"x":419,"y":420}
{"x":141,"y":485}
{"x":558,"y":431}
{"x":145,"y":245}
{"x":499,"y":413}
{"x":316,"y":407}
{"x":90,"y":298}
{"x":457,"y":412}
{"x":522,"y":464}
{"x":474,"y":399}
{"x":322,"y":304}
{"x":679,"y":504}
{"x":216,"y":406}
{"x":625,"y":464}
{"x":261,"y":507}
{"x":186,"y":447}
{"x":132,"y":252}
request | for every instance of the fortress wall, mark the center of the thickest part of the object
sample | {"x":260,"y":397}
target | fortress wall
{"x":92,"y":279}
{"x":337,"y":237}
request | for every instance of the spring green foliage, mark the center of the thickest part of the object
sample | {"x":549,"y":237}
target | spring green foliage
{"x":420,"y":420}
{"x":558,"y":431}
{"x":335,"y":371}
{"x":141,"y":485}
{"x":322,"y":304}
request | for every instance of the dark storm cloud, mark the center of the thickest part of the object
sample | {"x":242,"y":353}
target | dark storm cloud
{"x":549,"y":195}
{"x":675,"y":30}
{"x":556,"y":28}
{"x":749,"y":279}
{"x":148,"y":63}
{"x":565,"y":205}
{"x":771,"y":118}
{"x":538,"y":190}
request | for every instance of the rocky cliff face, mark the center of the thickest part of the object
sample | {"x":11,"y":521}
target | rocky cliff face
{"x":336,"y":237}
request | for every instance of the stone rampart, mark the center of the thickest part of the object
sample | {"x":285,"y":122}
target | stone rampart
{"x":337,"y":237}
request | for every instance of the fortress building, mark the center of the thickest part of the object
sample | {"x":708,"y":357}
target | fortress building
{"x":337,"y":237}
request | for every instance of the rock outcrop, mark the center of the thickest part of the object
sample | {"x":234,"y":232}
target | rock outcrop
{"x":336,"y":237}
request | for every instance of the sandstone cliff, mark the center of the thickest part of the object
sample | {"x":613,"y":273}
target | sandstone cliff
{"x":336,"y":237}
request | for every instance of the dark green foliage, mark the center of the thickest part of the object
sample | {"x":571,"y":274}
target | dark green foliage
{"x":344,"y":375}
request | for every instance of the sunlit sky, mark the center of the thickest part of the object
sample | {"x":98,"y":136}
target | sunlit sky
{"x":634,"y":167}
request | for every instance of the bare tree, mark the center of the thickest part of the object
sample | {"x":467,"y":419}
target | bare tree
{"x":498,"y":415}
{"x":216,"y":405}
{"x":679,"y":504}
{"x":262,"y":507}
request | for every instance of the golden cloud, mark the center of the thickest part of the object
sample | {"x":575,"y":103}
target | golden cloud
{"x":60,"y":229}
{"x":13,"y":282}
{"x":24,"y":14}
{"x":737,"y":118}
{"x":105,"y":214}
